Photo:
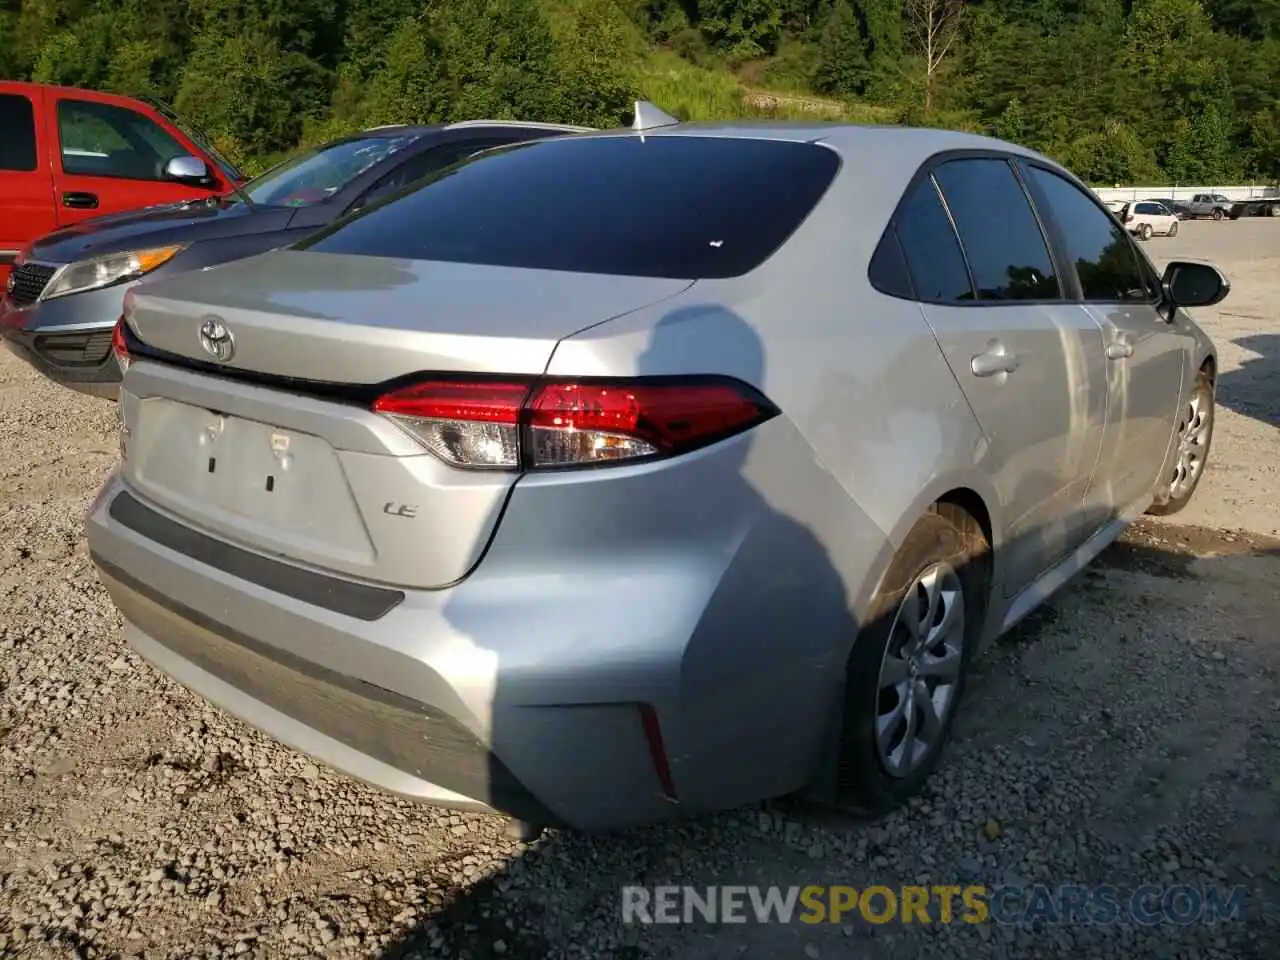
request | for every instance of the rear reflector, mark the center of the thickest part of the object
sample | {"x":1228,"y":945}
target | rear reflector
{"x":657,"y":749}
{"x":119,"y":347}
{"x":513,"y":425}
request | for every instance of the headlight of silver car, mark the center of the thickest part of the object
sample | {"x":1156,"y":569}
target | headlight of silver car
{"x":110,"y":268}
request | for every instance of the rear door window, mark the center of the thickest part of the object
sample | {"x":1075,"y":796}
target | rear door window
{"x":1105,"y":259}
{"x":1001,"y":237}
{"x":667,"y":206}
{"x":17,"y":133}
{"x":929,"y":244}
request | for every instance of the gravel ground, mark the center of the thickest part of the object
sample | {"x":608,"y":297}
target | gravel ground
{"x":1126,"y":735}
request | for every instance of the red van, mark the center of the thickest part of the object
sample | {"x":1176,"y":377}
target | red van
{"x":68,"y":154}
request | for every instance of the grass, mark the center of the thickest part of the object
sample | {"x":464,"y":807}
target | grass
{"x":697,"y":93}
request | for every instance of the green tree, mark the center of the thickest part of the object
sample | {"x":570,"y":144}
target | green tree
{"x":249,"y":93}
{"x":411,"y":86}
{"x":500,"y":59}
{"x":596,"y":87}
{"x":881,"y":22}
{"x":743,"y":28}
{"x":842,"y":54}
{"x":1012,"y":123}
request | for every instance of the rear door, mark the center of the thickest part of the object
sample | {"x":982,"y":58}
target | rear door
{"x":1147,"y":357}
{"x":110,"y":157}
{"x":26,"y":188}
{"x":1028,"y":358}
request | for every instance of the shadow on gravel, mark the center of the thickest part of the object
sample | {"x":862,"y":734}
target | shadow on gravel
{"x":562,"y":896}
{"x":986,"y":813}
{"x":1253,"y":389}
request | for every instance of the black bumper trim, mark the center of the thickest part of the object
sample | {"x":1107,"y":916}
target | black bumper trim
{"x":399,"y":731}
{"x":103,"y":378}
{"x":357,"y":600}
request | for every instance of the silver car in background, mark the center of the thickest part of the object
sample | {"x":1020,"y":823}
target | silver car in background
{"x":626,"y":476}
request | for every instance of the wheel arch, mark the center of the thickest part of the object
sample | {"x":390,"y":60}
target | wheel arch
{"x":1209,"y":367}
{"x":970,"y":496}
{"x":969,"y":492}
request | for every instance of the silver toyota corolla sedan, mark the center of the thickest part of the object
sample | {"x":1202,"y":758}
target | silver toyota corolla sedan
{"x":625,"y":476}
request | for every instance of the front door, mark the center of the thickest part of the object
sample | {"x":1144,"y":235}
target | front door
{"x":1029,"y":361}
{"x":1147,"y":371}
{"x":1147,"y":357}
{"x":26,"y":189}
{"x":112,"y":158}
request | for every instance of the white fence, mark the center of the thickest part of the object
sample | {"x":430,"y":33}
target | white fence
{"x":1129,"y":194}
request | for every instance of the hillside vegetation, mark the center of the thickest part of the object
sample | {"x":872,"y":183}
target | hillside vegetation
{"x":1143,"y":91}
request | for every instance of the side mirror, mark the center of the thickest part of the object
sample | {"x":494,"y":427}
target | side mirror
{"x":1190,"y":284}
{"x":186,"y":169}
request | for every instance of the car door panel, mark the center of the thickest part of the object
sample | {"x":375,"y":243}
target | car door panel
{"x":109,"y":158}
{"x":1044,"y":420}
{"x":1146,"y":357}
{"x":1029,"y":363}
{"x":26,"y":188}
{"x":1147,"y":370}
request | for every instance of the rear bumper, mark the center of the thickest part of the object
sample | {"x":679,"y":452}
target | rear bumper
{"x":397,"y":744}
{"x":68,"y":339}
{"x":333,"y":686}
{"x":523,"y":693}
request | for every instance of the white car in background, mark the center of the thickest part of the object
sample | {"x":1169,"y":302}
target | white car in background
{"x":1146,"y":218}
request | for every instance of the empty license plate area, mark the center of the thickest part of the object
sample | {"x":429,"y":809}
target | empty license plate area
{"x":277,"y":488}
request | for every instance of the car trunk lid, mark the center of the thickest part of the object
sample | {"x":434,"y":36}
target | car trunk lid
{"x":352,"y":319}
{"x":277,"y":448}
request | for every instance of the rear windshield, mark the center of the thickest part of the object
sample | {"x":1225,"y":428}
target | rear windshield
{"x":667,"y":206}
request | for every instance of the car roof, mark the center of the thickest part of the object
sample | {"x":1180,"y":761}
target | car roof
{"x":905,"y":145}
{"x":422,"y":129}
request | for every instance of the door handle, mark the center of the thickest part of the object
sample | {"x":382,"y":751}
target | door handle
{"x":80,"y":201}
{"x":995,"y":360}
{"x":1118,"y":350}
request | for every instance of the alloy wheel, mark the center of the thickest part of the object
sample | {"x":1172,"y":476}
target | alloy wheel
{"x":1194,"y":429}
{"x":920,"y":672}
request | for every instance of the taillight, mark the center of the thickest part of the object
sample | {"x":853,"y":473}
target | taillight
{"x":119,"y":347}
{"x":514,"y":424}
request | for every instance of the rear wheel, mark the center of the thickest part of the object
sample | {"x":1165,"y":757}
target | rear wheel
{"x":1273,"y":210}
{"x":1145,"y":231}
{"x":1193,"y":438}
{"x":907,"y":671}
{"x":1173,"y":229}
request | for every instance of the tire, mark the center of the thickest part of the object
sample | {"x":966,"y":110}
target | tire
{"x":1145,"y":231}
{"x":1173,"y":493}
{"x":1273,"y":210}
{"x":1173,"y":229}
{"x":1217,"y":213}
{"x":948,"y":541}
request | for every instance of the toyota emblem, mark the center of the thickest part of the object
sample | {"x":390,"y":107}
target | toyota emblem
{"x":217,"y":340}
